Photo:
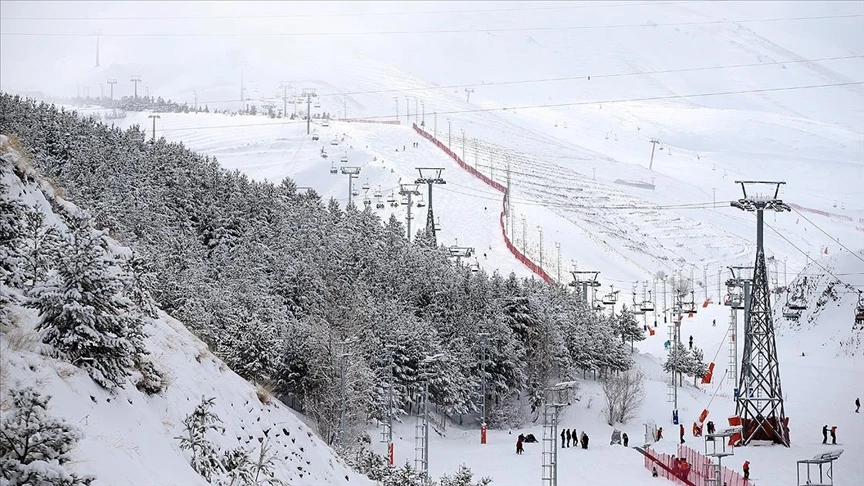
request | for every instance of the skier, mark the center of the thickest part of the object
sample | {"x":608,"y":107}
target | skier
{"x":714,"y":323}
{"x":567,"y":431}
{"x":519,"y":448}
{"x":746,"y":469}
{"x":691,"y":342}
{"x":824,"y":434}
{"x":563,"y":436}
{"x":857,"y":405}
{"x":654,"y":472}
{"x":660,"y":433}
{"x":625,"y":439}
{"x":834,"y":435}
{"x":681,"y":433}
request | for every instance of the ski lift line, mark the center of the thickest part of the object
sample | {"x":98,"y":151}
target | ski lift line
{"x":808,"y":257}
{"x":559,"y":105}
{"x":330,"y":15}
{"x":835,"y":240}
{"x":585,"y":76}
{"x":568,"y":78}
{"x":478,"y":30}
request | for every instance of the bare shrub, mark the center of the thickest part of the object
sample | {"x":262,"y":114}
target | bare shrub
{"x":625,"y":393}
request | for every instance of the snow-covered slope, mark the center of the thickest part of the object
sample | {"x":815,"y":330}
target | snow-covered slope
{"x":129,"y":436}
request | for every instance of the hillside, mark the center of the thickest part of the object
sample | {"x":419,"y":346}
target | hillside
{"x":129,"y":436}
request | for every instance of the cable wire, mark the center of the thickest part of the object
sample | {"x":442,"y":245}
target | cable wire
{"x":476,"y":30}
{"x":836,"y":240}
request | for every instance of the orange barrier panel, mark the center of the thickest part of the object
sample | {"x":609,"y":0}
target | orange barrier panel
{"x":707,"y":378}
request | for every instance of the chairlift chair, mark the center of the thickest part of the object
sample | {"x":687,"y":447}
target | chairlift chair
{"x":344,"y":159}
{"x":610,"y":298}
{"x":790,"y":313}
{"x":333,"y":169}
{"x":335,"y":141}
{"x":420,"y":202}
{"x":796,"y":304}
{"x":367,"y":202}
{"x":379,"y":204}
{"x":859,"y":310}
{"x":366,"y":185}
{"x":317,"y":105}
{"x":647,"y":306}
{"x":325,"y":123}
{"x":323,"y":154}
{"x":378,"y":193}
{"x":315,"y":137}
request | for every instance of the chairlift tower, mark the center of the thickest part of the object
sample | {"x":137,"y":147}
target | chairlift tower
{"x":430,"y":176}
{"x":760,"y":397}
{"x":409,"y":190}
{"x":352,"y":173}
{"x":111,"y":83}
{"x":551,"y":408}
{"x":582,"y":280}
{"x":135,"y":79}
{"x":309,"y":93}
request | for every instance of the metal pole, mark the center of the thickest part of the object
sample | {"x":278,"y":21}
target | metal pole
{"x":540,"y":228}
{"x":350,"y":189}
{"x":524,"y":236}
{"x":423,"y":107}
{"x":309,"y":117}
{"x":705,"y":280}
{"x":558,"y":247}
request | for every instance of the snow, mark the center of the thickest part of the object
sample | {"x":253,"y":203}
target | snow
{"x":129,"y":437}
{"x":812,"y":138}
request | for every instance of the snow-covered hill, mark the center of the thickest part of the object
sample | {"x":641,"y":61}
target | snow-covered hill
{"x":130,"y":437}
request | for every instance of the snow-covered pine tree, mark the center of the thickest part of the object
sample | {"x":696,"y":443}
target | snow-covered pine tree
{"x":82,"y":311}
{"x":464,"y":477}
{"x":12,"y":214}
{"x":40,"y":241}
{"x":35,"y":447}
{"x":628,"y":327}
{"x":698,"y":367}
{"x":679,"y":360}
{"x":205,"y":455}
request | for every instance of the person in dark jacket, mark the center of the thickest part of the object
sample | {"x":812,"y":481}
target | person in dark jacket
{"x":584,"y":440}
{"x":563,"y":436}
{"x":824,"y":434}
{"x":857,"y":405}
{"x":519,"y":441}
{"x":575,"y":436}
{"x":569,"y":436}
{"x":625,"y":439}
{"x":746,"y":469}
{"x":834,"y":435}
{"x":660,"y":433}
{"x":681,"y":433}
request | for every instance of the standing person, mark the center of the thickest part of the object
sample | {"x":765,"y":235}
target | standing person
{"x":569,"y":435}
{"x":710,"y":426}
{"x":563,"y":436}
{"x":681,"y":433}
{"x":834,"y":435}
{"x":625,"y":439}
{"x":691,"y":342}
{"x":660,"y":433}
{"x":857,"y":405}
{"x":575,"y":437}
{"x":824,"y":434}
{"x":746,"y":469}
{"x":519,"y":441}
{"x":584,"y":440}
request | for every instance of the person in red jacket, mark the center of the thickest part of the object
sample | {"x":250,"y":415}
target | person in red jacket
{"x":746,"y":469}
{"x":685,"y":469}
{"x":660,"y":433}
{"x":682,"y":433}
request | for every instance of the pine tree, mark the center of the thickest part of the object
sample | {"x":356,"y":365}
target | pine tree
{"x":83,"y":313}
{"x":35,"y":447}
{"x":628,"y":327}
{"x":464,"y":477}
{"x":698,"y":367}
{"x":678,"y":360}
{"x":12,"y":242}
{"x":205,"y":455}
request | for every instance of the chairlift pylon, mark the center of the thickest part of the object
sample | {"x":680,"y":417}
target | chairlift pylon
{"x":859,"y":309}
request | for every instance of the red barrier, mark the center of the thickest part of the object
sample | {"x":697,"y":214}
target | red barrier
{"x":497,"y":186}
{"x":698,"y":468}
{"x":667,"y":468}
{"x":362,"y":120}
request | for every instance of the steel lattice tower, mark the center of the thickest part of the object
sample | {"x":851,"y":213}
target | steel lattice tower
{"x":432,"y":176}
{"x":760,"y":396}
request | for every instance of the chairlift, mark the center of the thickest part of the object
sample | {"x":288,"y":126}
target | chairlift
{"x":366,"y":185}
{"x":859,"y":310}
{"x":344,"y":159}
{"x":317,"y":105}
{"x":335,"y":141}
{"x":333,"y":169}
{"x":734,"y":297}
{"x":420,"y":202}
{"x":797,"y":304}
{"x":367,"y":202}
{"x":323,"y":154}
{"x":315,"y":137}
{"x":790,"y":313}
{"x":378,"y":193}
{"x":355,"y":193}
{"x":647,"y":305}
{"x":610,"y":299}
{"x":379,"y":204}
{"x":325,"y":123}
{"x":392,"y":201}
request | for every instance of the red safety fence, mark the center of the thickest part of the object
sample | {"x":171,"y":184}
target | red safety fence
{"x":840,"y":217}
{"x":667,"y":467}
{"x":497,"y":186}
{"x":362,"y":120}
{"x":699,"y":469}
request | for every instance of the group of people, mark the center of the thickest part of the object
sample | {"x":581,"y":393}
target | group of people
{"x":523,"y":439}
{"x":680,"y":468}
{"x":833,"y":434}
{"x":577,"y":439}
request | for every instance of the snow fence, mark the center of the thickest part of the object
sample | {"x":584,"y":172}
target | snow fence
{"x":667,"y":467}
{"x":497,"y":186}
